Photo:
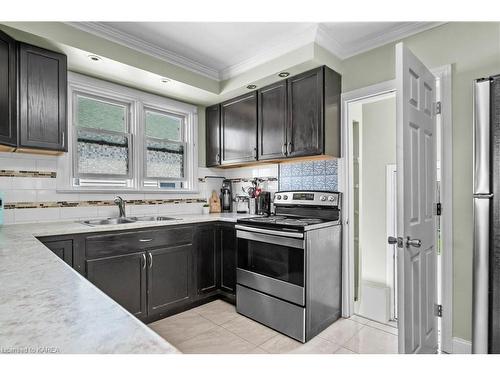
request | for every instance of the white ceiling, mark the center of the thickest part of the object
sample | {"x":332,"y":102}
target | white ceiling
{"x":223,"y":50}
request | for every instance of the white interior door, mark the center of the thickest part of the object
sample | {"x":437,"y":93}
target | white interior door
{"x":416,"y":169}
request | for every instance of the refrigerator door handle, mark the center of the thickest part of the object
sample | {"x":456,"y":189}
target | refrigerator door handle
{"x":481,"y":137}
{"x":480,"y":305}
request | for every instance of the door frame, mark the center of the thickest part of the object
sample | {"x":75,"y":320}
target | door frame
{"x":444,"y":76}
{"x":391,"y":223}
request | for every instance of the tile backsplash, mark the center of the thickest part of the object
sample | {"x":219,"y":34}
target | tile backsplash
{"x":309,"y":175}
{"x":29,"y":185}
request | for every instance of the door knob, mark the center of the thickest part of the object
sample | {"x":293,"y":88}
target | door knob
{"x":413,"y":242}
{"x":395,"y":241}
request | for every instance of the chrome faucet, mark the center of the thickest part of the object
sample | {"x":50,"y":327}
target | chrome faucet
{"x":121,"y":205}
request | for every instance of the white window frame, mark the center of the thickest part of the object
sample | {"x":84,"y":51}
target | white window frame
{"x":138,"y":102}
{"x":184,"y":136}
{"x":124,"y":179}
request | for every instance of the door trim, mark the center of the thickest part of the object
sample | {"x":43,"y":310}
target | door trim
{"x":444,"y":75}
{"x":444,"y":84}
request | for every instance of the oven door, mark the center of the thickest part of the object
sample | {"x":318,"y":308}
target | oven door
{"x":272,"y":262}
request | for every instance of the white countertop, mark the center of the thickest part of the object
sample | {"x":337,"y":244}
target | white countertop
{"x":46,"y":306}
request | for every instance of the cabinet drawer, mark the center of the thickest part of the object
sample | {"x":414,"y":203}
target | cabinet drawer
{"x":103,"y":245}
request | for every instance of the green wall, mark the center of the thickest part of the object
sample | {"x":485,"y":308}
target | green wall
{"x":473,"y":49}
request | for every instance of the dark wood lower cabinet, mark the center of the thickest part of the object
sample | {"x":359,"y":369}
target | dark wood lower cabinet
{"x":207,"y":259}
{"x":62,"y":248}
{"x":182,"y":267}
{"x":169,"y":278}
{"x":123,"y":278}
{"x":227,"y":245}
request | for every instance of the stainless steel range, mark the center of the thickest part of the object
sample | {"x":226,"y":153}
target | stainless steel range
{"x":289,"y":265}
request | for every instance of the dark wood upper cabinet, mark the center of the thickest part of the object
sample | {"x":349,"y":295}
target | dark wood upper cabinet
{"x":42,"y":99}
{"x":123,"y":278}
{"x":272,"y":114}
{"x":305,"y":135}
{"x":296,"y":117}
{"x":212,"y":118}
{"x":8,"y":91}
{"x":227,"y":244}
{"x":239,"y":129}
{"x":207,"y":259}
{"x":169,"y":277}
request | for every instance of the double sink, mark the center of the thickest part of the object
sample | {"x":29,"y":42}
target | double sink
{"x":126,"y":220}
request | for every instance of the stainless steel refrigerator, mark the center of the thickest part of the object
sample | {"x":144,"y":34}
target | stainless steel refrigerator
{"x":486,"y":255}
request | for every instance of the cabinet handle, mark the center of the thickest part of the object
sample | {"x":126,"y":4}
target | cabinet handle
{"x":217,"y":158}
{"x":145,"y":239}
{"x":255,"y":152}
{"x":283,"y":149}
{"x":63,"y":139}
{"x":143,"y":261}
{"x":150,"y":260}
{"x":289,"y":148}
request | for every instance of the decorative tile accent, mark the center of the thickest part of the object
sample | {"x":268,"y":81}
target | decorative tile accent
{"x":10,"y":173}
{"x":319,"y":168}
{"x":285,"y":170}
{"x":134,"y":202}
{"x":309,"y":175}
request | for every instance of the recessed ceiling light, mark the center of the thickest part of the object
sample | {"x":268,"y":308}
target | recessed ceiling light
{"x":164,"y":80}
{"x":251,"y":87}
{"x":283,"y":74}
{"x":94,"y":57}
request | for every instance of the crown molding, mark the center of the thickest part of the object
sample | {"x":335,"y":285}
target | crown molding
{"x":326,"y":40}
{"x":316,"y":33}
{"x":127,"y":40}
{"x":294,"y":41}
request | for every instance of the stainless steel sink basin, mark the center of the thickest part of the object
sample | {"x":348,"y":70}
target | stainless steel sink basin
{"x":125,"y":220}
{"x":109,"y":221}
{"x":152,"y":218}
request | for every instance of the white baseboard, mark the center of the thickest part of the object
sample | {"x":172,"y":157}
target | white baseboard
{"x":461,"y":346}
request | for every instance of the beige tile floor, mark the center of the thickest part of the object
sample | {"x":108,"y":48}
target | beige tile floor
{"x":216,"y":327}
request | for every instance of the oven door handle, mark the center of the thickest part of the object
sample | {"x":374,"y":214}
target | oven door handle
{"x":271,"y":232}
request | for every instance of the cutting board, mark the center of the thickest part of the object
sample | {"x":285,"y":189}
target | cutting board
{"x":214,"y":202}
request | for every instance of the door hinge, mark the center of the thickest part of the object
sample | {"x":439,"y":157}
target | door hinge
{"x":439,"y":311}
{"x":438,"y":209}
{"x":438,"y":108}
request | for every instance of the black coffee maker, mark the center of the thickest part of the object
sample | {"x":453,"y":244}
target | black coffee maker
{"x":226,"y":196}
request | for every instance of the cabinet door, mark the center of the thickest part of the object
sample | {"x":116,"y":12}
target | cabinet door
{"x":169,"y":277}
{"x":227,"y":238}
{"x":123,"y":278}
{"x":239,"y":129}
{"x":305,"y":133}
{"x":272,"y":121}
{"x":63,"y":249}
{"x":8,"y":125}
{"x":212,"y":118}
{"x":207,"y":259}
{"x":42,"y":98}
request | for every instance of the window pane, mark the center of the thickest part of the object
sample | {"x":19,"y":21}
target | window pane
{"x":164,"y":159}
{"x":100,"y":115}
{"x":160,"y":125}
{"x":105,"y":154}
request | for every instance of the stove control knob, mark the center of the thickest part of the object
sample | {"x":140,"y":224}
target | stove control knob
{"x":322,"y":198}
{"x":278,"y":197}
{"x":285,"y":197}
{"x":331,"y":198}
